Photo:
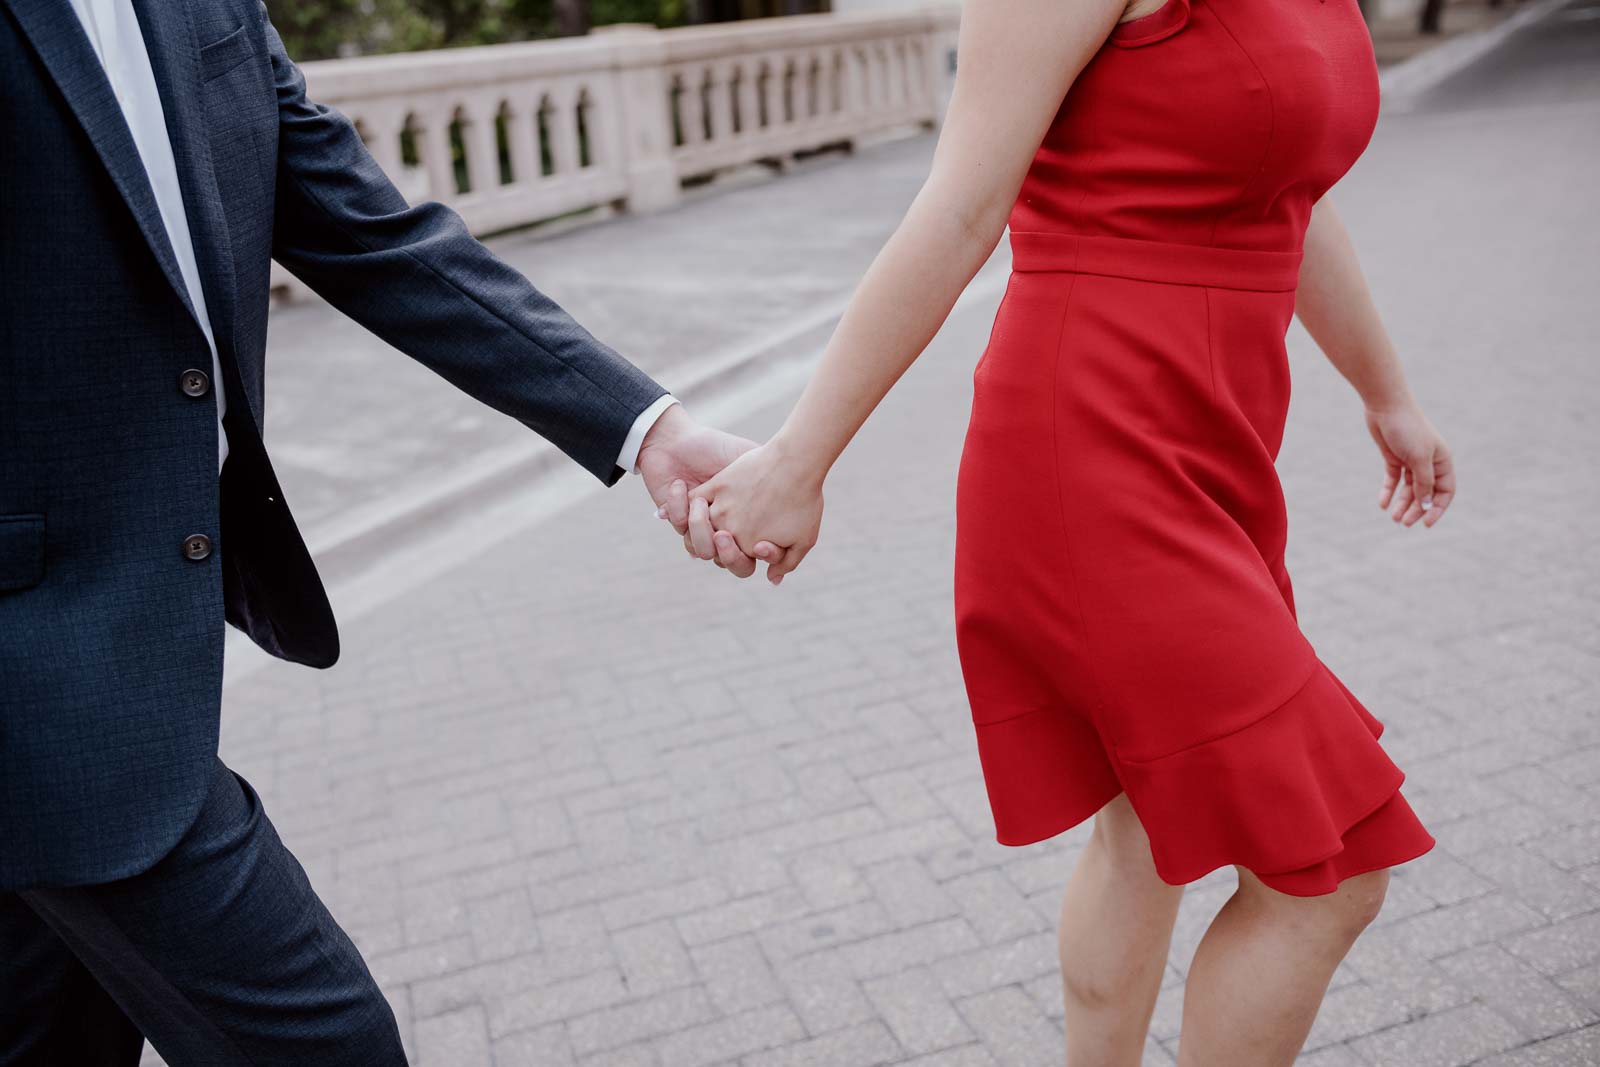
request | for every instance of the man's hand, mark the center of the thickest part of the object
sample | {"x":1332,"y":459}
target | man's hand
{"x":677,"y":455}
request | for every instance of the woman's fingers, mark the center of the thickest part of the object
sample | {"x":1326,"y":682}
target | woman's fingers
{"x":700,"y":529}
{"x":1444,"y":487}
{"x":1423,"y":480}
{"x":1412,"y":508}
{"x":1441,"y":500}
{"x":1402,"y":496}
{"x":1419,"y":478}
{"x":702,"y":538}
{"x":1422,"y":489}
{"x":730,"y":557}
{"x":792,"y":556}
{"x":770,"y":554}
{"x":1391,"y":480}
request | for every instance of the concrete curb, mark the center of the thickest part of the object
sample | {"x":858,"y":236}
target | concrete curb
{"x":380,"y":552}
{"x":341,"y":547}
{"x":1401,"y":84}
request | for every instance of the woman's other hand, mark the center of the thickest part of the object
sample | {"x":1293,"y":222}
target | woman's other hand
{"x":1419,"y":476}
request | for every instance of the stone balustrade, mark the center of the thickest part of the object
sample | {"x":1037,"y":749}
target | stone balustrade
{"x":514,"y":134}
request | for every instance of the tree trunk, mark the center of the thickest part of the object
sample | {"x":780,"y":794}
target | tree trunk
{"x":1432,"y":11}
{"x":572,"y":17}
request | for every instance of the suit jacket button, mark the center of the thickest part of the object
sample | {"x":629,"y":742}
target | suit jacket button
{"x":195,"y":382}
{"x":197,"y":546}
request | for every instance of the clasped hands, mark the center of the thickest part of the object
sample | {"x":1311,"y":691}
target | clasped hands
{"x":734,"y":503}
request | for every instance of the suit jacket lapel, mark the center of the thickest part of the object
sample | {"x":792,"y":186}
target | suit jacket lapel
{"x":63,"y":47}
{"x":175,"y":60}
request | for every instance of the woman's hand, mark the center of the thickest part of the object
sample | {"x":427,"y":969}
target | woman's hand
{"x":763,"y":504}
{"x":1419,"y":478}
{"x":1017,"y":60}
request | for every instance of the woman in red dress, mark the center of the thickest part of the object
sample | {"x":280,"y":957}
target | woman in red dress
{"x":1162,"y":166}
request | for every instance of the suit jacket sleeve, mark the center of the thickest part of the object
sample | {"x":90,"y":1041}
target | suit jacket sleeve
{"x":415,"y":277}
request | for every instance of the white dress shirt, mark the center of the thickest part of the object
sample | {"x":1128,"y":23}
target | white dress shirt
{"x":113,"y":30}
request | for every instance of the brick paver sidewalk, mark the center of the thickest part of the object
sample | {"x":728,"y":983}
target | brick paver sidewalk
{"x":582,"y":801}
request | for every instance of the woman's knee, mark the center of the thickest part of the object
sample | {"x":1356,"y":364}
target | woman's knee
{"x":1338,"y":916}
{"x":1365,"y":895}
{"x":1119,"y":833}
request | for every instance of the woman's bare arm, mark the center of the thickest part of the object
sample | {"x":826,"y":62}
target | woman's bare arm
{"x":1016,"y":60}
{"x":1337,"y":310}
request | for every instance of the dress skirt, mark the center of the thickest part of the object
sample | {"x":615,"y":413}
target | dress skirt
{"x":1123,"y":615}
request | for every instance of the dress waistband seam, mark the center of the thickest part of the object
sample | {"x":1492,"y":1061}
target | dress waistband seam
{"x":1175,"y":263}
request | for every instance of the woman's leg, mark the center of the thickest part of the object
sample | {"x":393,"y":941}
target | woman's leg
{"x":1116,"y":928}
{"x":1262,"y":967}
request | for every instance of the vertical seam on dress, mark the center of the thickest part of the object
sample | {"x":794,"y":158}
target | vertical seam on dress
{"x":1061,"y":511}
{"x":1272,"y":122}
{"x":1211,"y":356}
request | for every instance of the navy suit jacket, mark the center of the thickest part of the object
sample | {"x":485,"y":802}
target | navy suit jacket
{"x":111,"y":637}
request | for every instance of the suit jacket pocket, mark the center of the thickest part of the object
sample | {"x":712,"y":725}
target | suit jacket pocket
{"x":221,"y":56}
{"x":21,"y":551}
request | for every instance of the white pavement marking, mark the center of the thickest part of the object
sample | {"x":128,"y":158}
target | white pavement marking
{"x":506,"y":493}
{"x":1401,"y":84}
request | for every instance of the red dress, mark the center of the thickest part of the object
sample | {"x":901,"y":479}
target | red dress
{"x":1123,"y":615}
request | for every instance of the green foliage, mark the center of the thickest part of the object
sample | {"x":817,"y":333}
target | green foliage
{"x":314,"y":29}
{"x":322,"y":29}
{"x":661,"y":12}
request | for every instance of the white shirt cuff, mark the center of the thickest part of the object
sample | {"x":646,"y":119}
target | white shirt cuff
{"x":628,"y":460}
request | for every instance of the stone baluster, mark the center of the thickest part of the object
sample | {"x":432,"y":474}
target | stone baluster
{"x":869,"y":78}
{"x":900,"y":69}
{"x":522,"y":134}
{"x":772,"y":91}
{"x":384,"y":125}
{"x":914,"y":71}
{"x":788,"y":89}
{"x":564,"y":130}
{"x":724,"y":99}
{"x":878,"y":63}
{"x":691,"y":106}
{"x":856,"y":82}
{"x":713,"y":90}
{"x":921,"y":84}
{"x":934,"y":60}
{"x":480,"y":143}
{"x":590,"y":110}
{"x":817,"y":85}
{"x":749,"y":104}
{"x":435,"y":149}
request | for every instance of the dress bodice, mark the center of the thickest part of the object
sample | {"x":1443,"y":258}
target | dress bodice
{"x":1208,"y":122}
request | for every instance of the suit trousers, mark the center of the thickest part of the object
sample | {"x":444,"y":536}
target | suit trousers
{"x":220,"y":954}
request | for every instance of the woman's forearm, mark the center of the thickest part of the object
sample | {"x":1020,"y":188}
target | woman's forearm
{"x":900,"y":304}
{"x":1337,"y":310}
{"x":1017,"y":59}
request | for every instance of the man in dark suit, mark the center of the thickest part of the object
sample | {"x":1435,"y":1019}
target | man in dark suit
{"x":154,"y":156}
